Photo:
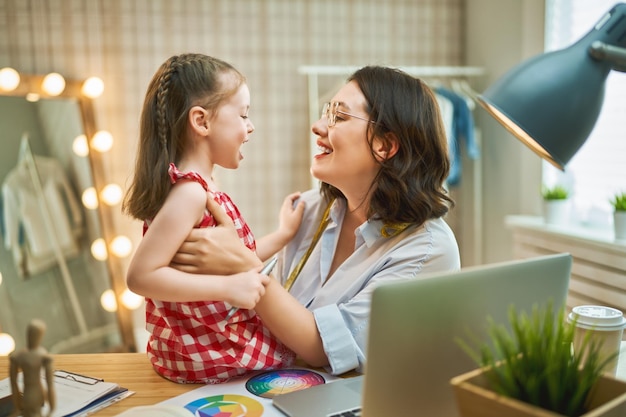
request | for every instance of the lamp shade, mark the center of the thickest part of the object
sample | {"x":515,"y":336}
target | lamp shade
{"x":552,"y":101}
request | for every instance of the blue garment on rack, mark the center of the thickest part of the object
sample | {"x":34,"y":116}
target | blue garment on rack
{"x":462,"y":129}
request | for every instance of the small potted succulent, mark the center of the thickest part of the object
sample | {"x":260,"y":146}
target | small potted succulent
{"x":619,"y":215}
{"x":556,"y":204}
{"x":531,"y":370}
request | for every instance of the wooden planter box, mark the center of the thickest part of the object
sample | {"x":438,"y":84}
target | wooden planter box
{"x":475,"y":399}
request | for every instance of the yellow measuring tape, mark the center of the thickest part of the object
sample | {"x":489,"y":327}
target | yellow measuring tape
{"x":388,"y":230}
{"x":318,"y":233}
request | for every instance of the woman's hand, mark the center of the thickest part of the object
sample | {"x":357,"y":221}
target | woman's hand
{"x":215,"y":250}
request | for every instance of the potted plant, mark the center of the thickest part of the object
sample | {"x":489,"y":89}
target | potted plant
{"x":556,"y":204}
{"x":531,"y":370}
{"x":619,"y":215}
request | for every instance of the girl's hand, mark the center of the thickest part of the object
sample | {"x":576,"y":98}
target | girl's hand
{"x":289,"y":220}
{"x":290,"y":217}
{"x":246,"y":288}
{"x":215,"y":250}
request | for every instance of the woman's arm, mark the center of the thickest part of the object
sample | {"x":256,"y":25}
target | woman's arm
{"x":289,"y":220}
{"x":219,"y":250}
{"x":151,"y":275}
{"x":215,"y":250}
{"x":284,"y":316}
{"x":291,"y":323}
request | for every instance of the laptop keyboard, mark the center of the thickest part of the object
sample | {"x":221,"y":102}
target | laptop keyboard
{"x":354,"y":412}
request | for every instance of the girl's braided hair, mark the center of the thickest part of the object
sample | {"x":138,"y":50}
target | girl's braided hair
{"x":183,"y":81}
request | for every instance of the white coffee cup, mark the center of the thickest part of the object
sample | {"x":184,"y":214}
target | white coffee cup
{"x":606,"y":325}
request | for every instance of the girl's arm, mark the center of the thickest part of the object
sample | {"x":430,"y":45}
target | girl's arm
{"x":150,"y":274}
{"x":289,"y":220}
{"x":200,"y":249}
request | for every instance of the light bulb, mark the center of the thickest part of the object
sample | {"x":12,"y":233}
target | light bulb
{"x":93,"y":87}
{"x":9,"y":79}
{"x":111,"y":194}
{"x":102,"y":141}
{"x":7,"y":344}
{"x":53,"y":84}
{"x":121,"y":246}
{"x":108,"y":301}
{"x":131,"y":300}
{"x":90,"y":198}
{"x":80,"y":146}
{"x":99,"y":249}
{"x":32,"y":97}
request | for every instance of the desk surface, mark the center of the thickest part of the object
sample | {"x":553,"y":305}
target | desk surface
{"x":130,"y":370}
{"x":133,"y":371}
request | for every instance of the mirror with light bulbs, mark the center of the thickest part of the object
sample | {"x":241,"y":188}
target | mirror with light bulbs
{"x":55,"y":222}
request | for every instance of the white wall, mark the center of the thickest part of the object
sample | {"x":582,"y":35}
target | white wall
{"x":500,"y":34}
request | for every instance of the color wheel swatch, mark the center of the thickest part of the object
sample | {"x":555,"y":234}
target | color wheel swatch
{"x":226,"y":406}
{"x":272,"y":383}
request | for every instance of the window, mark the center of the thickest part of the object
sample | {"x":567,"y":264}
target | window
{"x":597,"y":171}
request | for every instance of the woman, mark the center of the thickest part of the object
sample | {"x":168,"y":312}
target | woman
{"x":377,"y":218}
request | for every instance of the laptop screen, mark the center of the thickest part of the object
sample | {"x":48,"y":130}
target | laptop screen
{"x":413,"y":350}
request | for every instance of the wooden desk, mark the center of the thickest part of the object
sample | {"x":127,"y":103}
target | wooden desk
{"x":130,"y":370}
{"x":133,"y":371}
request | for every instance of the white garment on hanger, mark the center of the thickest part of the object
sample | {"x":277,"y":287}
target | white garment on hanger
{"x":447,"y":114}
{"x":24,"y":207}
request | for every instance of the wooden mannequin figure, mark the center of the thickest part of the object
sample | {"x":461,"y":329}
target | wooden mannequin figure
{"x":31,"y":361}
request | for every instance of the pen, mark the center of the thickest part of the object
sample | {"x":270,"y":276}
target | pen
{"x":267,"y":269}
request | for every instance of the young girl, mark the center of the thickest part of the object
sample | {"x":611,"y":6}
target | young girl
{"x":195,"y":116}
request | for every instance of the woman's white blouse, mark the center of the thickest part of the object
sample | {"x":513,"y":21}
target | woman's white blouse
{"x":341,"y":305}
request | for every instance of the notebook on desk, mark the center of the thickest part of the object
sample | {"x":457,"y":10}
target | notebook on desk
{"x":412,"y":352}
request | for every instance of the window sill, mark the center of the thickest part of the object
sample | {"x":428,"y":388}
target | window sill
{"x":599,"y":261}
{"x":599,"y":237}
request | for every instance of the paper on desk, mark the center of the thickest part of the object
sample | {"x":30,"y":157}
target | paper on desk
{"x":71,"y":396}
{"x":251,"y":394}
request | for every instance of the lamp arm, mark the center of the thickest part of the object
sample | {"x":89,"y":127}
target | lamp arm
{"x":616,"y":55}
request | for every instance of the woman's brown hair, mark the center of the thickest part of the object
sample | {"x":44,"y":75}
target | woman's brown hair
{"x":409,"y":187}
{"x":183,"y":81}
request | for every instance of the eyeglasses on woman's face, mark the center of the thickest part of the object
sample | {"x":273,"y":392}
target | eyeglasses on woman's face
{"x":330,"y":110}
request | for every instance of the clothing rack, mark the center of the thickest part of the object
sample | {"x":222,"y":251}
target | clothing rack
{"x":471,"y":219}
{"x":314,"y":71}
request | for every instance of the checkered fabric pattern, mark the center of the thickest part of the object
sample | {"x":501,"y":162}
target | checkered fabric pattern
{"x":193,"y":343}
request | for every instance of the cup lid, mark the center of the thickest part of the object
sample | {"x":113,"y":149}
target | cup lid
{"x":597,"y":317}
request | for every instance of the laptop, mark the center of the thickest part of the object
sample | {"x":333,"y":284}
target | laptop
{"x":412,"y":349}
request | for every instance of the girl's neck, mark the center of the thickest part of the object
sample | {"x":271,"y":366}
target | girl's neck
{"x":204,"y":169}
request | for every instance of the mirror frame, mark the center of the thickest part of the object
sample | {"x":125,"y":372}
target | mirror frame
{"x":31,"y":84}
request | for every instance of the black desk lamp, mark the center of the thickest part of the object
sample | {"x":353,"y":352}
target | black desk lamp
{"x":551,"y":102}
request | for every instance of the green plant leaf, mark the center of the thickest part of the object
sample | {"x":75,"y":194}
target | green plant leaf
{"x":619,"y":201}
{"x":533,"y":361}
{"x":558,"y":192}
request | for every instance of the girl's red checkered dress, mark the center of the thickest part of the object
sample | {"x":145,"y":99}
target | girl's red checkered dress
{"x":193,"y":343}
